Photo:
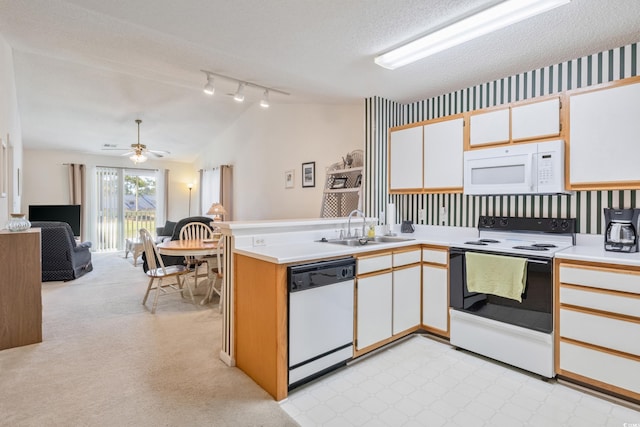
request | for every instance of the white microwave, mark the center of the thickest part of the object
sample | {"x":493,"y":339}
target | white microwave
{"x":533,"y":168}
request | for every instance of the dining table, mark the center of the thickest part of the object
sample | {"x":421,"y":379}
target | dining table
{"x":192,"y":247}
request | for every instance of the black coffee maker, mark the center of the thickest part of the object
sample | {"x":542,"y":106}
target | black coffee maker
{"x":621,"y":234}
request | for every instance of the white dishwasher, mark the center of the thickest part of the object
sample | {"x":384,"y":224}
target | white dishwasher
{"x":320,"y":318}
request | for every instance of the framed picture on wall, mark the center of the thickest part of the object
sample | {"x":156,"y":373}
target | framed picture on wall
{"x":309,"y":174}
{"x":288,"y":179}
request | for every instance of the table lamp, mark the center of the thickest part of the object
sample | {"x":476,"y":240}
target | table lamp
{"x":217,"y":210}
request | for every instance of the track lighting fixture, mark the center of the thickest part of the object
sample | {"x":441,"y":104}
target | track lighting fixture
{"x":264,"y":103}
{"x":239,"y":94}
{"x":208,"y":88}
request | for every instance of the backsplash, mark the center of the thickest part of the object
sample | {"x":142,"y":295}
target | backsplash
{"x":464,"y":210}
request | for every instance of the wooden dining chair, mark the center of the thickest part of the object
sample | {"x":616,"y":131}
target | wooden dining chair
{"x":196,"y":231}
{"x":159,"y":274}
{"x":217,"y":272}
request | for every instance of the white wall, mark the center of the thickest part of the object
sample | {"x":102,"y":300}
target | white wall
{"x":9,"y":130}
{"x":46,"y":178}
{"x":263,"y":144}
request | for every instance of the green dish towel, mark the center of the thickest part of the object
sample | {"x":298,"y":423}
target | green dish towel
{"x":497,"y":275}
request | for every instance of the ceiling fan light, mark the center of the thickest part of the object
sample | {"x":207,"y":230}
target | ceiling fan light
{"x":264,"y":102}
{"x":239,"y":95}
{"x":138,"y":158}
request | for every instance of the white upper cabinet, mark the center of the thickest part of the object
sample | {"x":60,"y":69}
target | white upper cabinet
{"x":443,"y":154}
{"x":536,"y":120}
{"x":604,"y":138}
{"x":405,"y":158}
{"x":489,"y":127}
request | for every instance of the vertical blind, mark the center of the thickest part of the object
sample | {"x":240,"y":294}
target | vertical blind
{"x":109,"y":207}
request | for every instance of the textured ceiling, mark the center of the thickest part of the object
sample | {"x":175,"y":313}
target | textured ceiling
{"x":86,"y":69}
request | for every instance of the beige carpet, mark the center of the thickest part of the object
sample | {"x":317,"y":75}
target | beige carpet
{"x":105,"y":360}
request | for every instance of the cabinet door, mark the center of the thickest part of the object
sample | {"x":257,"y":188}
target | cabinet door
{"x":490,"y":127}
{"x":406,"y":298}
{"x":435,"y":297}
{"x":373,"y":309}
{"x":405,"y":159}
{"x":603,"y":139}
{"x":536,"y":120}
{"x":443,"y":154}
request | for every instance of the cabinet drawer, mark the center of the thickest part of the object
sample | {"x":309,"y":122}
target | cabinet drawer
{"x":603,"y":331}
{"x":601,"y":278}
{"x":374,"y":263}
{"x":406,"y":258}
{"x":608,"y":368}
{"x":435,"y":256}
{"x":619,"y":303}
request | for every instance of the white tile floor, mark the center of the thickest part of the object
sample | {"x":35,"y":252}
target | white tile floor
{"x":424,"y":382}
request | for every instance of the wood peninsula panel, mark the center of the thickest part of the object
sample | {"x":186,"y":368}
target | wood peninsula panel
{"x":261,"y":323}
{"x":20,"y":288}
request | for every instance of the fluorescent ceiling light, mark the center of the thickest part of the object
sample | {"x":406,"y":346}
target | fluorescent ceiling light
{"x":489,"y":20}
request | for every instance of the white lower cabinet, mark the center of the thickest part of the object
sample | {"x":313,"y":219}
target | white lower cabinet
{"x":435,"y":290}
{"x":387,"y":296}
{"x":435,"y":297}
{"x":598,"y":326}
{"x":374,"y":310}
{"x":406,"y":298}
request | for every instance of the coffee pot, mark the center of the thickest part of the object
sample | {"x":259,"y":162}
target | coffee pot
{"x":621,"y":233}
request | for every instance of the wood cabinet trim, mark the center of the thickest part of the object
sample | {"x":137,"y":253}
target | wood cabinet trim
{"x":599,"y":266}
{"x":619,"y":391}
{"x":375,"y":273}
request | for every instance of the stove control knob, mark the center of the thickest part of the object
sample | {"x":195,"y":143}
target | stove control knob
{"x":504,"y":222}
{"x":554,"y":224}
{"x":484,"y":221}
{"x":492,"y":221}
{"x":564,"y":224}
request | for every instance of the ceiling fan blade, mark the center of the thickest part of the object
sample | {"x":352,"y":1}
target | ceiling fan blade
{"x":116,"y":149}
{"x":155,"y":153}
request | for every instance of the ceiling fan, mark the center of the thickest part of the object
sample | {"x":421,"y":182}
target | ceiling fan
{"x":138,"y":152}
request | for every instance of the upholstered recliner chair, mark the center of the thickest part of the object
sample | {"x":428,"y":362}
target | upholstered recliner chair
{"x":62,"y":257}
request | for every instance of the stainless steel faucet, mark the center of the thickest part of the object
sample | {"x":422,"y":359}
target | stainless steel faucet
{"x":364,"y":222}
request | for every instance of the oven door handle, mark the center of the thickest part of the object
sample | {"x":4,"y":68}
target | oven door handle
{"x":535,"y":261}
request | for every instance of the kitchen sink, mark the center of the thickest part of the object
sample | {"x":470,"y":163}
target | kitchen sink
{"x":366,"y":241}
{"x":350,"y":242}
{"x":388,"y":239}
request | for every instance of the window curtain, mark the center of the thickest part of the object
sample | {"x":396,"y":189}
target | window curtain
{"x":162,"y":196}
{"x":226,"y":190}
{"x":77,"y":191}
{"x":216,"y":186}
{"x":209,"y":188}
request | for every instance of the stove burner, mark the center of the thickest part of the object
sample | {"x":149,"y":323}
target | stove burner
{"x":532,"y":248}
{"x":544,"y":245}
{"x":489,"y":241}
{"x":479,"y":243}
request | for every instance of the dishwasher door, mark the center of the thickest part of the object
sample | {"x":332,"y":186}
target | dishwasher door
{"x":320,"y":318}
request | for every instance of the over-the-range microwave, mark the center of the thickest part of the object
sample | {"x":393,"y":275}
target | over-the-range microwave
{"x":528,"y":168}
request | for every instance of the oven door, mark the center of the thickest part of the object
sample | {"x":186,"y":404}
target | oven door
{"x":534,"y":312}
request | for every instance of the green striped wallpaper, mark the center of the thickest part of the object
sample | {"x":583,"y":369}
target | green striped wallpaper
{"x":463,"y":210}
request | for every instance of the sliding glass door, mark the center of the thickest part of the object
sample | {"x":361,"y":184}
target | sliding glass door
{"x":126,"y":202}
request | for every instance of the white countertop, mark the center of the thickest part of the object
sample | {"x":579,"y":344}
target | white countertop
{"x":591,"y":248}
{"x":308,"y":250}
{"x":588,"y":247}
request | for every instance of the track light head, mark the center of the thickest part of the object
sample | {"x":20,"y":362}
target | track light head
{"x":239,"y":96}
{"x":264,"y":103}
{"x":208,"y":88}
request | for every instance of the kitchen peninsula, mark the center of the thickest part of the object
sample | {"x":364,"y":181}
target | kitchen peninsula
{"x":257,"y":335}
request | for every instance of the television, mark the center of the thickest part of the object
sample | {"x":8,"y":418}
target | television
{"x":65,"y":213}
